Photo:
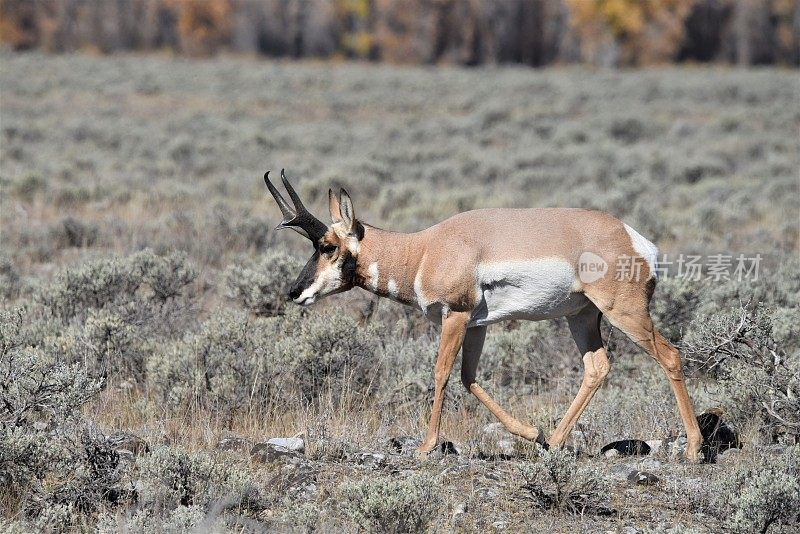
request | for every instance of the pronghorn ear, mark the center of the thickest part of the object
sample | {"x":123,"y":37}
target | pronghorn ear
{"x":346,"y":209}
{"x":334,"y":207}
{"x":341,"y":209}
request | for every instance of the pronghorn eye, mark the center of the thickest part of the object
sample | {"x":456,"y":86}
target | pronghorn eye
{"x":328,"y":249}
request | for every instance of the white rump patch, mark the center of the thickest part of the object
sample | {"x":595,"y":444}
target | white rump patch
{"x":392,"y":288}
{"x":373,"y":275}
{"x":532,"y":290}
{"x":644,"y":248}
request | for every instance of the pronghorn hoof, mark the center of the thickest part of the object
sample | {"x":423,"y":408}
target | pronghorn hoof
{"x":694,"y":459}
{"x":424,"y":450}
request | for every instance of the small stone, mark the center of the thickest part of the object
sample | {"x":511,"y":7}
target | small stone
{"x":288,"y":444}
{"x":372,"y":459}
{"x":628,"y":447}
{"x":655,"y":445}
{"x":611,"y":453}
{"x":622,"y":472}
{"x":404,"y":445}
{"x":459,"y":509}
{"x":649,"y":464}
{"x":448,"y":447}
{"x":494,"y":428}
{"x":40,"y":426}
{"x":232,"y":443}
{"x":717,"y":435}
{"x":730,"y":456}
{"x":269,"y":453}
{"x":643,"y":478}
{"x":506,"y":446}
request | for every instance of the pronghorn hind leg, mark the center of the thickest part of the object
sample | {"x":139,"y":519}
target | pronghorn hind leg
{"x":454,"y":326}
{"x":585,"y":329}
{"x":630,"y":314}
{"x":472,"y":348}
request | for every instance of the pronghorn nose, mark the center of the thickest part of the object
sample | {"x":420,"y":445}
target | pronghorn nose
{"x":295,"y":291}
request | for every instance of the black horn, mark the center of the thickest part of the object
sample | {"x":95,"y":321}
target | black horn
{"x":286,"y":210}
{"x":298,"y":218}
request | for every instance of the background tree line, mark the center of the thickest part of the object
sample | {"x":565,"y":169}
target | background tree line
{"x":466,"y":32}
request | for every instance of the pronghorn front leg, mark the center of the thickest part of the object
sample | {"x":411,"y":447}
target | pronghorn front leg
{"x":454,"y":326}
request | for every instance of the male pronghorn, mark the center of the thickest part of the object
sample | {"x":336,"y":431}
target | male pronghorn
{"x":484,"y":266}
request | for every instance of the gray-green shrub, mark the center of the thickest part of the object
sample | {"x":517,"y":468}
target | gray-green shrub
{"x":756,"y":376}
{"x":262,"y":286}
{"x":171,"y":478}
{"x":386,"y":504}
{"x":107,"y":313}
{"x":237,"y":361}
{"x":50,"y":461}
{"x":760,"y":495}
{"x":143,"y":279}
{"x":557,"y":482}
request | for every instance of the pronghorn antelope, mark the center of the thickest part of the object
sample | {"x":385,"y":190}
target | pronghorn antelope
{"x":484,"y":266}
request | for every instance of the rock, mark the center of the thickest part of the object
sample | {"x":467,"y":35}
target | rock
{"x":404,"y":445}
{"x":336,"y":450}
{"x":717,"y":435}
{"x":729,"y":457}
{"x":611,"y":453}
{"x":649,"y":464}
{"x":487,"y":494}
{"x":459,"y":509}
{"x":774,"y":448}
{"x":622,"y":472}
{"x":643,"y":478}
{"x":372,"y":459}
{"x":495,"y":428}
{"x":288,"y":444}
{"x":655,"y":445}
{"x":232,"y":444}
{"x":40,"y":426}
{"x":269,"y":453}
{"x":506,"y":447}
{"x":628,"y":447}
{"x":448,"y":447}
{"x":298,"y":480}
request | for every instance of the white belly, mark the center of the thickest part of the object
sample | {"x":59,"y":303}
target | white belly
{"x":534,"y":291}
